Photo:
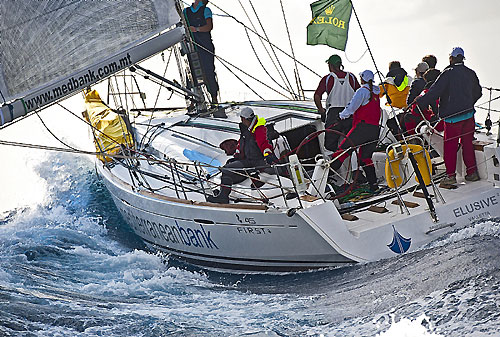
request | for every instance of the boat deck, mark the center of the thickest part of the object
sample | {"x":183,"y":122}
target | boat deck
{"x":389,"y":210}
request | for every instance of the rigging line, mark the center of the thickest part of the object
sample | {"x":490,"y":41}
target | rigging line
{"x":375,"y":64}
{"x":489,"y":88}
{"x":117,"y":97}
{"x":21,"y":118}
{"x":223,"y":61}
{"x":262,"y":65}
{"x":267,"y":51}
{"x":53,"y":148}
{"x":366,"y":41}
{"x":148,"y":128}
{"x":93,"y":128}
{"x":3,"y":97}
{"x":488,"y":101}
{"x":125,"y":87}
{"x":359,"y":59}
{"x":291,"y":47}
{"x":493,"y":110}
{"x":272,"y":49}
{"x":260,"y":36}
{"x":164,"y":75}
{"x":53,"y":135}
{"x":241,"y":80}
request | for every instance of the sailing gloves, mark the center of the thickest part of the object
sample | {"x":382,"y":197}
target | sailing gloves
{"x":271,"y":159}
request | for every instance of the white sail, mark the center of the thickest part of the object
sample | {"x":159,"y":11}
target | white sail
{"x":52,"y":48}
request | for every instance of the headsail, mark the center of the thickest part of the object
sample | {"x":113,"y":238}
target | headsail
{"x":52,"y":48}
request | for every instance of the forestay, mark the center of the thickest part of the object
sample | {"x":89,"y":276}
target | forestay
{"x":50,"y":49}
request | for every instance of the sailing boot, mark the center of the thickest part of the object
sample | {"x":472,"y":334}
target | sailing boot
{"x":223,"y":196}
{"x":361,"y":179}
{"x":371,"y":177}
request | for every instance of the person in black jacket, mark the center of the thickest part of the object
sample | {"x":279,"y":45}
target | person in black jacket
{"x":418,"y":83}
{"x":252,"y":153}
{"x":458,"y":89}
{"x":199,"y":19}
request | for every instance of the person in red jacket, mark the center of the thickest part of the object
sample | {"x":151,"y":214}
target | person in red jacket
{"x":364,"y":108}
{"x":253,"y":151}
{"x":340,"y":86}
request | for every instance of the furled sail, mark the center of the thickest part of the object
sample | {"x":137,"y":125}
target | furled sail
{"x":111,"y":133}
{"x":52,"y":48}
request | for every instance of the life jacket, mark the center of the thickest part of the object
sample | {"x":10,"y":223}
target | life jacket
{"x":341,"y":92}
{"x":248,"y":142}
{"x":197,"y":19}
{"x":397,"y":85}
{"x":398,"y":98}
{"x":369,"y":113}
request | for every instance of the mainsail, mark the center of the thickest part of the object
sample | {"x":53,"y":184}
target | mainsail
{"x":52,"y":48}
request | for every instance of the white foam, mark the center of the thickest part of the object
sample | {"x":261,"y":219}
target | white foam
{"x":22,"y":186}
{"x":480,"y":228}
{"x":408,"y":328}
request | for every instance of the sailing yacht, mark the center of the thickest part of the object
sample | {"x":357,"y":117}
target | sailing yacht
{"x":161,"y":165}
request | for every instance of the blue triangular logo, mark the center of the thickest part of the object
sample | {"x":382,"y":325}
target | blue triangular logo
{"x":399,"y":244}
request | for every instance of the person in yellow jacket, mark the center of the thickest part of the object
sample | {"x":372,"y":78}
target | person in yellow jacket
{"x":396,"y":87}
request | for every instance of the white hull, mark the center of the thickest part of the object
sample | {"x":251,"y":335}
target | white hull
{"x":284,"y":234}
{"x":223,"y":237}
{"x":251,"y":239}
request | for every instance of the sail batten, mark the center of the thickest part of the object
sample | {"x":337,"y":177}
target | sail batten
{"x":48,"y":48}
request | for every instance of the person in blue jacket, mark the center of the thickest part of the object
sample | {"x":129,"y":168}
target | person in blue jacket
{"x":458,"y":89}
{"x":199,"y":19}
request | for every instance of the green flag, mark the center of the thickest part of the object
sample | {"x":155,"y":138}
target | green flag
{"x":330,"y":23}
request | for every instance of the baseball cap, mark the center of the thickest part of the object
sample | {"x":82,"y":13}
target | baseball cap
{"x":367,"y":75}
{"x":247,"y":113}
{"x":422,"y":67}
{"x":334,"y":60}
{"x":457,"y":51}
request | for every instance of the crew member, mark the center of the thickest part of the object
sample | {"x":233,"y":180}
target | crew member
{"x":396,"y":87}
{"x":431,"y":60}
{"x":458,"y":89}
{"x":199,"y":19}
{"x":253,"y":151}
{"x":430,"y":113}
{"x":365,"y":109}
{"x":340,"y":86}
{"x":418,"y":84}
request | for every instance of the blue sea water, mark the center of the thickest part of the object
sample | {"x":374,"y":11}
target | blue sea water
{"x":70,"y":266}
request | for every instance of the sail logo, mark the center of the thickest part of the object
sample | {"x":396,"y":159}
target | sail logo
{"x":80,"y":81}
{"x":399,"y":244}
{"x":330,"y":10}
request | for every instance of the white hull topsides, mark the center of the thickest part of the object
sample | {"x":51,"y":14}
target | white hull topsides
{"x":284,"y":235}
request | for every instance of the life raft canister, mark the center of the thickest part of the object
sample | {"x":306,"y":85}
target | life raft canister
{"x":422,"y":158}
